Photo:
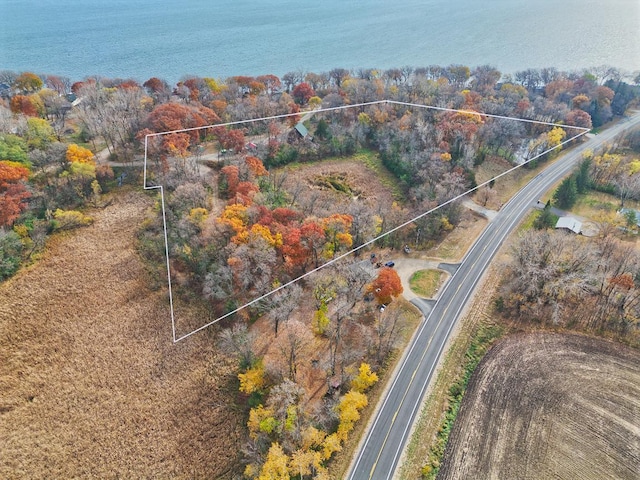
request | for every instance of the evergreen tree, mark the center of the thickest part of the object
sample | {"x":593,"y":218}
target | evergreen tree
{"x":546,"y":219}
{"x":567,"y":193}
{"x":630,"y":218}
{"x":582,"y":177}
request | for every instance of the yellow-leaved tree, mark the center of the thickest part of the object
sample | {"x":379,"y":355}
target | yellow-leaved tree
{"x":349,"y":412}
{"x":305,"y":462}
{"x":78,"y":154}
{"x":365,"y":378}
{"x":253,"y":379}
{"x":275,"y":467}
{"x":261,"y":420}
{"x":555,"y":137}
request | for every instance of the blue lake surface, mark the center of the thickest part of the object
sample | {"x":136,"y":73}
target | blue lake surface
{"x":221,"y":38}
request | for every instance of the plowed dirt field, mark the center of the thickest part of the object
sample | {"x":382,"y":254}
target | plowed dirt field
{"x":545,"y":405}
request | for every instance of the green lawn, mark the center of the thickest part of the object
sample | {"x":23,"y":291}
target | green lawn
{"x":425,"y":282}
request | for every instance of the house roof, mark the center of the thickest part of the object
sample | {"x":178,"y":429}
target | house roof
{"x":302,"y":130}
{"x":569,"y":223}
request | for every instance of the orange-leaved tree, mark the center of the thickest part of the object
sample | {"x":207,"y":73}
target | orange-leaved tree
{"x":78,"y":154}
{"x":386,"y":286}
{"x":13,"y":193}
{"x":12,"y":172}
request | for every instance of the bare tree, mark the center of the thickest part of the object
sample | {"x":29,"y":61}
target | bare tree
{"x":386,"y":333}
{"x":282,"y":304}
{"x":293,"y":343}
{"x":253,"y":266}
{"x":238,"y":341}
{"x":284,"y":400}
{"x":486,"y":196}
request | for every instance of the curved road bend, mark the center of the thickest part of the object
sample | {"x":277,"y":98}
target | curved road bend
{"x":388,"y":431}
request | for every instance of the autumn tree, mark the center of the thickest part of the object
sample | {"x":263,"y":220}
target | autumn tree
{"x":39,"y":133}
{"x":485,"y":78}
{"x":13,"y":193}
{"x":337,"y":230}
{"x":228,"y":181}
{"x":296,"y":340}
{"x":386,"y":286}
{"x":253,"y":379}
{"x":386,"y":332}
{"x":78,"y":154}
{"x":486,"y":196}
{"x":349,"y":412}
{"x":458,"y":74}
{"x":25,"y":104}
{"x":28,"y":82}
{"x":158,"y":89}
{"x":238,"y":341}
{"x":12,"y":203}
{"x":365,"y":378}
{"x":61,"y":85}
{"x":281,"y":305}
{"x":285,"y":402}
{"x":253,"y":265}
{"x":116,"y":113}
{"x":302,"y":93}
{"x":230,"y":139}
{"x":275,"y":466}
{"x":312,"y":239}
{"x":271,"y":82}
{"x":338,"y":76}
{"x":549,"y":269}
{"x":578,"y":118}
{"x":176,"y":116}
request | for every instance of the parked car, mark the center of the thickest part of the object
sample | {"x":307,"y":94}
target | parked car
{"x":389,"y":264}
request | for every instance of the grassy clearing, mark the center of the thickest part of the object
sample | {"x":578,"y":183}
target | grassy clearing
{"x":372,"y":160}
{"x":594,"y":205}
{"x":426,"y":282}
{"x":457,"y":242}
{"x":527,"y":223}
{"x":507,"y":185}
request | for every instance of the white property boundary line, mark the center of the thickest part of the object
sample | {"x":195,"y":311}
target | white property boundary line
{"x":582,"y":130}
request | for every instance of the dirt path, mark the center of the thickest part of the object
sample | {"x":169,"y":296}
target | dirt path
{"x":549,"y":406}
{"x":91,"y":383}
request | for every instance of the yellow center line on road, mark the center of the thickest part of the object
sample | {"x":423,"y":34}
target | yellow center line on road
{"x":491,"y":242}
{"x":413,"y":375}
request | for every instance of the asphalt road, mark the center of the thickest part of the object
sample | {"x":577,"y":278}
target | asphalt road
{"x":381,"y":448}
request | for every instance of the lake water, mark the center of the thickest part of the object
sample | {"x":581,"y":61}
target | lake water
{"x":221,"y":38}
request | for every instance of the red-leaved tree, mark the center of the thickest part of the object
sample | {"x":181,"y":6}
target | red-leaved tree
{"x":386,"y":286}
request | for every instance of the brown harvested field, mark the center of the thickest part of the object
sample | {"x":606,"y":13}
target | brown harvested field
{"x":549,"y":405}
{"x":91,"y":385}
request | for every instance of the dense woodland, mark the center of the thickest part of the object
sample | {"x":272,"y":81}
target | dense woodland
{"x":239,"y":225}
{"x":592,"y":283}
